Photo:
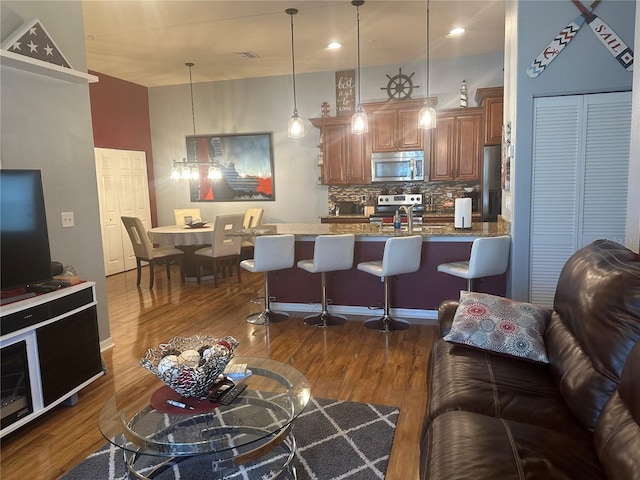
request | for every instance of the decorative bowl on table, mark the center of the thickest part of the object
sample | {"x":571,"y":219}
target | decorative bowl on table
{"x":190,"y":365}
{"x":196,"y":224}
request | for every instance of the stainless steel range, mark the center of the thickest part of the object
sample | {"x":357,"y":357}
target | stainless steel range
{"x":387,"y":205}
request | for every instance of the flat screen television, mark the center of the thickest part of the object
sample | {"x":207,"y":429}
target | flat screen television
{"x":24,"y":239}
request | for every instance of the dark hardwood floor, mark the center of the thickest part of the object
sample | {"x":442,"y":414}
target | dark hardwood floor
{"x":347,"y":362}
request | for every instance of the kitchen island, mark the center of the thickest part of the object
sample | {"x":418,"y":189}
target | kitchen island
{"x":414,"y":295}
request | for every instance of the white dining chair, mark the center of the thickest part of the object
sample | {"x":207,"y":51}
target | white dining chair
{"x":182,"y":216}
{"x":225,"y":250}
{"x":146,"y":252}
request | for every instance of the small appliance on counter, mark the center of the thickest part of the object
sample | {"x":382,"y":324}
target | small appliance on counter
{"x":387,"y":206}
{"x":462,"y":214}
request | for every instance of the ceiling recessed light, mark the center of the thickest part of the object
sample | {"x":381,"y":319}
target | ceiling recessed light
{"x":456,"y":32}
{"x":334,"y":46}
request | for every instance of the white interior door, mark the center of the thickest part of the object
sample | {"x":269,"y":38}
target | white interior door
{"x":123,"y":190}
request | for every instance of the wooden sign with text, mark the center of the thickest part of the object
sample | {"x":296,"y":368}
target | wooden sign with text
{"x":345,"y":93}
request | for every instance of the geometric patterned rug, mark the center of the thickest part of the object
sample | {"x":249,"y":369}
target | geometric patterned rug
{"x":335,"y":440}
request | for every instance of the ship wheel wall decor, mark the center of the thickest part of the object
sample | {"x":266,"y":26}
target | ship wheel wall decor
{"x":400,"y":86}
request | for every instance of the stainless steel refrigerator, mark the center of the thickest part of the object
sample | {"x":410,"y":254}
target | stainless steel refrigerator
{"x":491,"y":184}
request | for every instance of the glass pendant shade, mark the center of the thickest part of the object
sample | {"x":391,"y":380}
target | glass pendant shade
{"x":296,"y":126}
{"x":175,"y":173}
{"x":214,"y":173}
{"x":359,"y":121}
{"x":427,"y":117}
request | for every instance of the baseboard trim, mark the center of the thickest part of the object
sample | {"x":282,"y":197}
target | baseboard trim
{"x":422,"y":317}
{"x":106,"y":344}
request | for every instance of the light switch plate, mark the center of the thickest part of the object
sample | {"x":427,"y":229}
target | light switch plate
{"x":67,"y":219}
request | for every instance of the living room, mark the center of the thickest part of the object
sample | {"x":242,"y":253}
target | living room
{"x":59,"y":139}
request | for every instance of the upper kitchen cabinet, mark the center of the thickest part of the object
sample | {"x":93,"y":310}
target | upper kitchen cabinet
{"x":393,"y":126}
{"x":344,"y":157}
{"x":456,"y":145}
{"x":491,"y":100}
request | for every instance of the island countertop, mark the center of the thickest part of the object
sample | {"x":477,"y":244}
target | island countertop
{"x":478,"y":229}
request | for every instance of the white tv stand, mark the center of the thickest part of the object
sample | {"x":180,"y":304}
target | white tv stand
{"x":59,"y":331}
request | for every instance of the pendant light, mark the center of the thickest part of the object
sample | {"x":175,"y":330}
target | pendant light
{"x":296,"y":124}
{"x":427,"y":116}
{"x":359,"y":121}
{"x":190,"y":169}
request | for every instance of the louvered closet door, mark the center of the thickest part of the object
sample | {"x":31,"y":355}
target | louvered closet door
{"x":580,"y":180}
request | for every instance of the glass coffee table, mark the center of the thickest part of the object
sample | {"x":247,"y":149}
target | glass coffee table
{"x":155,"y":436}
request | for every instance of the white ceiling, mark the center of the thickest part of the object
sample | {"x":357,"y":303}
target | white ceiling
{"x":148,"y":41}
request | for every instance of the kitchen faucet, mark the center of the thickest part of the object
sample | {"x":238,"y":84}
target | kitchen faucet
{"x":409,"y":211}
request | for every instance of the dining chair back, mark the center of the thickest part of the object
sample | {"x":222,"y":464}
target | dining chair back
{"x":182,"y":216}
{"x":146,"y":252}
{"x":253,"y":217}
{"x":225,"y":250}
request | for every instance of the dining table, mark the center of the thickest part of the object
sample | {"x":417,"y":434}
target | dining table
{"x":185,"y":238}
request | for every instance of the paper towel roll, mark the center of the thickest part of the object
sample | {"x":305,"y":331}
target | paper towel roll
{"x":462,"y":218}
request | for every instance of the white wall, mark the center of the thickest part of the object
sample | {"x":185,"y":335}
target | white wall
{"x":265,"y":105}
{"x":46,"y":125}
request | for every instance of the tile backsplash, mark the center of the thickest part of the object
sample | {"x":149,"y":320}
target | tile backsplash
{"x":437,"y":190}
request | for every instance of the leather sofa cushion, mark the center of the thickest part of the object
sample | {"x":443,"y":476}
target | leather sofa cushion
{"x":464,"y":378}
{"x":617,"y":434}
{"x":595,"y":324}
{"x":465,"y":445}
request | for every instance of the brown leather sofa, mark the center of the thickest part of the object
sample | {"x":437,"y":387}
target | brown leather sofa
{"x":491,"y":416}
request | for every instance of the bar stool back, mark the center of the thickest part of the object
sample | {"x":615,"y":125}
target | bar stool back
{"x":271,"y":252}
{"x":489,"y":256}
{"x":330,"y":253}
{"x":401,"y":255}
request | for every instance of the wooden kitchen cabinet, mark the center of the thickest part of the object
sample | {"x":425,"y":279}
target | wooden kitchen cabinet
{"x":456,"y":145}
{"x":393,"y":126}
{"x":344,"y":157}
{"x":492,"y":101}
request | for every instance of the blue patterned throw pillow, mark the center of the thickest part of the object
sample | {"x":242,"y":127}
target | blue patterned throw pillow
{"x":500,"y":325}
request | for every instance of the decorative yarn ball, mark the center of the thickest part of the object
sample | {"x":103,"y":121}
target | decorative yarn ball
{"x":190,"y":358}
{"x":167,"y":363}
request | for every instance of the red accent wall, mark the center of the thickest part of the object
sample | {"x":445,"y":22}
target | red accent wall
{"x":120,"y":117}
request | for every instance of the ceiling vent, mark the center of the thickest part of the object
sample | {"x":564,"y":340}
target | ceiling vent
{"x":249,"y":55}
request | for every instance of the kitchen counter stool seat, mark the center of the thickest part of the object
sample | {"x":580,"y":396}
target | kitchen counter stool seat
{"x":401,"y":255}
{"x":489,"y":257}
{"x":271,"y":252}
{"x":331,"y":253}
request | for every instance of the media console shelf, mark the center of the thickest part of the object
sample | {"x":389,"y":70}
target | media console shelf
{"x":54,"y":336}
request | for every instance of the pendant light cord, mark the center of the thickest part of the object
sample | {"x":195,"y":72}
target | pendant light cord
{"x":358,"y":35}
{"x":292,"y":12}
{"x":428,"y":48}
{"x":193,"y":114}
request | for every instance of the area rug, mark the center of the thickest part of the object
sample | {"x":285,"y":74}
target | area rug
{"x":335,"y":440}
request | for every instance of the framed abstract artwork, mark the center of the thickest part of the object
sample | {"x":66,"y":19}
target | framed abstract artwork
{"x":236,"y":167}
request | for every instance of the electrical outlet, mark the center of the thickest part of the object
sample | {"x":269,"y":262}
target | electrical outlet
{"x":67,"y":219}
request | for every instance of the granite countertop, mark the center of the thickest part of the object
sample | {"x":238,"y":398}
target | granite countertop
{"x":478,"y":229}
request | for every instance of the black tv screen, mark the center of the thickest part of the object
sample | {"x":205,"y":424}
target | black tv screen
{"x":24,"y":239}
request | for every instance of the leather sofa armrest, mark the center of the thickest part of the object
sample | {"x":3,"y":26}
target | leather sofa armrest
{"x":446,"y":311}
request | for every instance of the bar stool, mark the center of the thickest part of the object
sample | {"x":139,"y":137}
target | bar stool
{"x":489,"y":256}
{"x":401,"y":255}
{"x":330,"y":253}
{"x":271,"y":252}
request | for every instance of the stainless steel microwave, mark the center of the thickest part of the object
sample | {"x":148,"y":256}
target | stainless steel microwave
{"x":397,"y":166}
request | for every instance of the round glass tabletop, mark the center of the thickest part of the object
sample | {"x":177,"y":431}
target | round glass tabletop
{"x":138,"y":418}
